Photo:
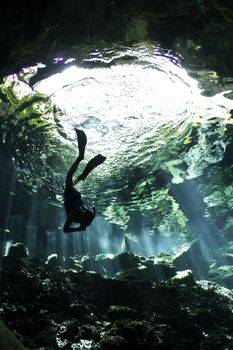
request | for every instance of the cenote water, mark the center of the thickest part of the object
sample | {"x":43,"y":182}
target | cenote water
{"x":139,"y":107}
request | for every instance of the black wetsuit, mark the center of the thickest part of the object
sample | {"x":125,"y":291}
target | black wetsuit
{"x":76,"y":211}
{"x":73,"y":202}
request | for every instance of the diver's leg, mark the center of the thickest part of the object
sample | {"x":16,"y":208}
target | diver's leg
{"x":92,"y":164}
{"x":69,"y":177}
{"x":82,"y":141}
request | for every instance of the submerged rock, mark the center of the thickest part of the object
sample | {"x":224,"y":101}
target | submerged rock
{"x":156,"y":272}
{"x":116,"y":312}
{"x":222,"y":275}
{"x":18,"y":250}
{"x":183,"y":277}
{"x":68,"y":309}
{"x":191,"y":257}
{"x":8,"y":341}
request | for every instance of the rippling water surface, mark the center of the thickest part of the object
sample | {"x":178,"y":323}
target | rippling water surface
{"x":138,"y":107}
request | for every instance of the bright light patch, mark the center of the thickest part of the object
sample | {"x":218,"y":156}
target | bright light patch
{"x":131,"y":104}
{"x":125,"y":103}
{"x":121,"y":93}
{"x":121,"y":99}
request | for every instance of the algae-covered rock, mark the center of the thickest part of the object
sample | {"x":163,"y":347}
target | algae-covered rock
{"x":227,"y":258}
{"x":67,"y":309}
{"x":91,"y":264}
{"x":222,"y":275}
{"x":53,"y":261}
{"x":191,"y":257}
{"x":120,"y":312}
{"x":8,"y":341}
{"x":183,"y":277}
{"x":153,"y":272}
{"x":136,"y":30}
{"x":18,"y":250}
{"x":126,"y":260}
{"x":130,"y":333}
{"x":115,"y":342}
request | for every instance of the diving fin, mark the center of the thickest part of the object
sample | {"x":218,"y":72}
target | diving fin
{"x":92,"y":164}
{"x":82,"y":141}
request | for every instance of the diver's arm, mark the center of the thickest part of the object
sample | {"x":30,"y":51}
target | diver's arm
{"x":67,"y":227}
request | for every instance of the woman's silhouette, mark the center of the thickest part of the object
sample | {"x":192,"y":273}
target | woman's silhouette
{"x":76,"y":211}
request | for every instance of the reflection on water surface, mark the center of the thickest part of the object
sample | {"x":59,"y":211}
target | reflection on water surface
{"x":137,"y":105}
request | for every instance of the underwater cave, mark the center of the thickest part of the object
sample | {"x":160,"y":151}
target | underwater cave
{"x":150,"y":84}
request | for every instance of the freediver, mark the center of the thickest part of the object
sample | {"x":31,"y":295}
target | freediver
{"x":76,"y":211}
